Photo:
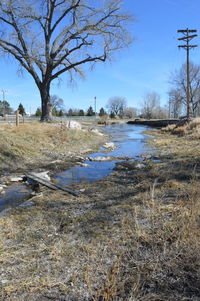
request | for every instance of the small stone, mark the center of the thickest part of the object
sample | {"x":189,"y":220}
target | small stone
{"x":17,"y":179}
{"x":109,"y":145}
{"x":83,"y":164}
{"x":140,"y":165}
{"x":101,"y":159}
{"x":3,"y":185}
{"x":95,"y":131}
{"x":4,"y":281}
{"x":71,"y":124}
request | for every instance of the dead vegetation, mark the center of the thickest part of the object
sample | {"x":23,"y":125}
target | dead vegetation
{"x":132,"y":236}
{"x":191,"y":129}
{"x":35,"y":143}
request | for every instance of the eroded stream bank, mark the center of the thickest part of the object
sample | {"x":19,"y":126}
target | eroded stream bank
{"x":129,"y":144}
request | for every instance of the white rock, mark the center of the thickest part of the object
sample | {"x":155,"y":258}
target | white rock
{"x":43,"y":175}
{"x":83,"y":164}
{"x":71,"y":124}
{"x":56,"y":161}
{"x":109,"y":145}
{"x":17,"y":179}
{"x":95,"y":131}
{"x":140,"y":165}
{"x":4,"y":281}
{"x":1,"y":189}
{"x":82,"y":190}
{"x":101,"y":159}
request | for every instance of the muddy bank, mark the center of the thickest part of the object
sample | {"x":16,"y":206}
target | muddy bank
{"x":159,"y":123}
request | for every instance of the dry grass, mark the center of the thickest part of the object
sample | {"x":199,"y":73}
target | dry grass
{"x":132,"y":236}
{"x":191,"y":129}
{"x":39,"y":141}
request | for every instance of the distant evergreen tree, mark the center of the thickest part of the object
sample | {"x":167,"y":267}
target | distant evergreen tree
{"x":5,"y":108}
{"x":90,"y":112}
{"x":38,"y":112}
{"x":81,"y":113}
{"x":70,"y":112}
{"x":102,"y":112}
{"x":112,"y":115}
{"x":21,"y":109}
{"x":60,"y":113}
{"x":54,"y":112}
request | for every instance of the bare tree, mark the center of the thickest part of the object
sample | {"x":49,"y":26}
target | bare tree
{"x":57,"y":102}
{"x":50,"y":37}
{"x":57,"y":105}
{"x":178,"y":82}
{"x":175,"y":103}
{"x":116,"y":106}
{"x":130,"y":112}
{"x":151,"y":105}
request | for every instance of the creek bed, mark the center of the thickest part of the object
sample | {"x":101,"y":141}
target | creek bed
{"x":130,"y":142}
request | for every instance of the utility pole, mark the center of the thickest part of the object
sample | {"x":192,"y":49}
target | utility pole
{"x":95,"y":105}
{"x":4,"y":91}
{"x":187,"y":37}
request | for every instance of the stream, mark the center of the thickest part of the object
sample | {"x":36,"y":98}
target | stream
{"x":129,"y":141}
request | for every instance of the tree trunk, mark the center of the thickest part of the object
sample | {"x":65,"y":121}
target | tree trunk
{"x":45,"y":102}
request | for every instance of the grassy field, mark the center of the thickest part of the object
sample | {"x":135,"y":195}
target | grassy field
{"x":131,"y":236}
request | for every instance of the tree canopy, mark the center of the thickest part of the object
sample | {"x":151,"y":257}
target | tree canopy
{"x":5,"y":107}
{"x":51,"y":37}
{"x":116,"y":105}
{"x":21,"y":109}
{"x":90,"y":111}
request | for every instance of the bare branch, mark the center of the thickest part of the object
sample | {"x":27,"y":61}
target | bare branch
{"x":50,"y":37}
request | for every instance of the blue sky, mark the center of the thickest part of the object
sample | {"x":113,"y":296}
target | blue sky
{"x":142,"y":68}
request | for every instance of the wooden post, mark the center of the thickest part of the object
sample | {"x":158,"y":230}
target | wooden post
{"x":17,"y":118}
{"x":23,"y":117}
{"x":5,"y":117}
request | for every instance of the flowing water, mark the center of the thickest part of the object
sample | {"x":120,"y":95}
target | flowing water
{"x":129,"y":141}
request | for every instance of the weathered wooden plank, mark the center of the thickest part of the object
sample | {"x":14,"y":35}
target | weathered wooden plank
{"x":50,"y":184}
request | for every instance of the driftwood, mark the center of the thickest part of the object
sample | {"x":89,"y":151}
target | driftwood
{"x":50,"y":184}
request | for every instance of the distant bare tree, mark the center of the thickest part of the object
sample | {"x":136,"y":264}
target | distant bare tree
{"x":57,"y":105}
{"x":116,"y":106}
{"x":175,"y":103}
{"x":151,"y":105}
{"x":50,"y":37}
{"x":57,"y":102}
{"x":178,"y":82}
{"x":130,"y":112}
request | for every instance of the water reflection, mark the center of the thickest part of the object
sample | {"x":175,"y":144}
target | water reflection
{"x":129,"y":141}
{"x":14,"y":195}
